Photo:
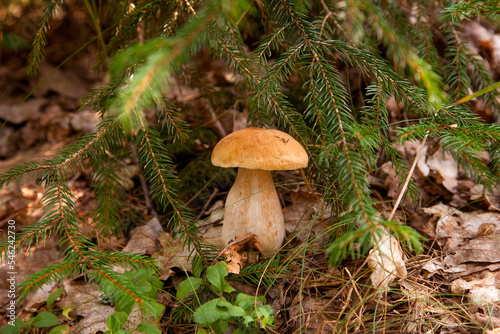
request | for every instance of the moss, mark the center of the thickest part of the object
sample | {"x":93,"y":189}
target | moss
{"x":195,"y":168}
{"x":200,"y":174}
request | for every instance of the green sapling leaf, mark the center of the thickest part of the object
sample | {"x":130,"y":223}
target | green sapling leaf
{"x":59,"y":330}
{"x":216,"y":274}
{"x":148,"y":328}
{"x":189,"y":285}
{"x":116,"y":321}
{"x":53,"y":296}
{"x":211,"y":311}
{"x":45,"y":319}
{"x":16,"y":329}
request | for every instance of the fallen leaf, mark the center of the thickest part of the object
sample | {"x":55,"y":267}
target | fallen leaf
{"x":445,"y":168}
{"x":448,"y":231}
{"x":39,"y":297}
{"x":64,"y":83}
{"x":85,"y":121}
{"x":309,"y":315}
{"x":305,"y":217}
{"x":482,"y":293}
{"x":484,"y":250}
{"x":236,"y":253}
{"x":475,"y":256}
{"x":144,"y":238}
{"x":20,"y":113}
{"x":172,"y":254}
{"x":8,"y":138}
{"x":91,"y":308}
{"x":488,"y":320}
{"x":386,"y":260}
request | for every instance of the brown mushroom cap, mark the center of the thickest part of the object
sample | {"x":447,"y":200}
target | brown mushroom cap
{"x":256,"y":148}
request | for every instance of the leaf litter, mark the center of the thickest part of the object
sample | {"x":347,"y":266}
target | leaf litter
{"x":460,"y":268}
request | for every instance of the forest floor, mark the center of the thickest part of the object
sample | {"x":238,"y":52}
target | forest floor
{"x":452,"y":287}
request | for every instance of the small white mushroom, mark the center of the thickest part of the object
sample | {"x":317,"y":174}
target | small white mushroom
{"x":252,"y":205}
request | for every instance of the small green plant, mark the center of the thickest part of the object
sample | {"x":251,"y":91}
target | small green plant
{"x":42,"y":320}
{"x":145,"y":282}
{"x":117,"y":320}
{"x":246,"y":312}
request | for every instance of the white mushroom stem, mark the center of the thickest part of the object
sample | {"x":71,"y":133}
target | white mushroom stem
{"x":252,"y":206}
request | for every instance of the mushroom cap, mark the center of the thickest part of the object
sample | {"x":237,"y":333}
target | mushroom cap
{"x":256,"y":148}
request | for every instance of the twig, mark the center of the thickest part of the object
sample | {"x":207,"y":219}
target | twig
{"x":219,"y":128}
{"x":410,"y":173}
{"x":204,"y":209}
{"x":145,"y":190}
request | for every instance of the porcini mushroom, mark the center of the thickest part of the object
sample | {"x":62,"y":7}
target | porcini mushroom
{"x":252,"y":205}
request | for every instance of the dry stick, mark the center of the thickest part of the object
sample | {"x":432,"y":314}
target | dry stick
{"x":205,"y":207}
{"x":145,"y":190}
{"x":410,"y":173}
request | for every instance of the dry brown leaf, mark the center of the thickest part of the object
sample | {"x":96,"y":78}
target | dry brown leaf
{"x":85,"y":301}
{"x":172,"y":254}
{"x":474,"y":223}
{"x":39,"y":298}
{"x":216,"y":213}
{"x":488,"y":321}
{"x":490,"y":199}
{"x":312,"y":315}
{"x":210,"y":228}
{"x":85,"y":121}
{"x":475,"y":256}
{"x":391,"y":182}
{"x":27,"y":111}
{"x":386,"y":260}
{"x":64,"y":83}
{"x":236,"y":254}
{"x":445,"y":168}
{"x":144,"y":238}
{"x":306,"y":209}
{"x":481,"y":292}
{"x":448,"y":231}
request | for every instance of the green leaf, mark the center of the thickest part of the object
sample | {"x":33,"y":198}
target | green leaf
{"x":53,"y":296}
{"x":201,"y":331}
{"x":66,"y":311}
{"x":216,"y":274}
{"x":45,"y":319}
{"x":235,"y":311}
{"x":248,"y":302}
{"x":16,"y":329}
{"x":116,"y":321}
{"x":123,"y":331}
{"x":155,"y":309}
{"x":211,"y":311}
{"x":148,"y":328}
{"x":189,"y":285}
{"x":125,"y":304}
{"x":265,"y":314}
{"x":219,"y":326}
{"x":247,"y":320}
{"x":59,"y":330}
{"x":197,"y":266}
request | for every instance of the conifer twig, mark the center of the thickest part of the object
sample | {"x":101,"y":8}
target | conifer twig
{"x":144,"y":186}
{"x":408,"y":178}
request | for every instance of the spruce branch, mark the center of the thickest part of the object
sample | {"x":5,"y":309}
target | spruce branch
{"x":153,"y":155}
{"x":51,"y":273}
{"x":39,"y":42}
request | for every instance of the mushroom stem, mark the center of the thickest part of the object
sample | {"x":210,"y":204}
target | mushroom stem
{"x":252,"y":206}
